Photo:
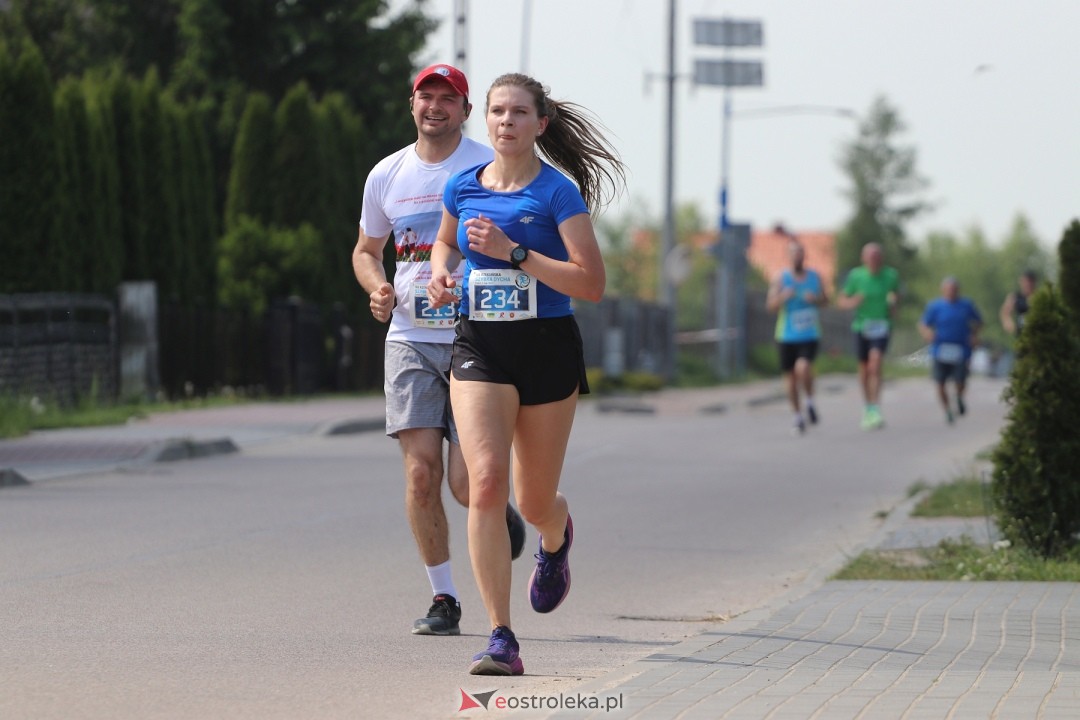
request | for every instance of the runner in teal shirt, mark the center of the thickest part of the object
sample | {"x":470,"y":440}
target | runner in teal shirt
{"x":795,"y":295}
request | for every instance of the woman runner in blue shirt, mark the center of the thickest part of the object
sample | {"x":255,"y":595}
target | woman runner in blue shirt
{"x":526,"y":235}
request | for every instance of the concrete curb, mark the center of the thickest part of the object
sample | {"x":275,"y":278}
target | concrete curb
{"x":624,"y":404}
{"x":9,"y":477}
{"x":187,"y":449}
{"x":350,"y":427}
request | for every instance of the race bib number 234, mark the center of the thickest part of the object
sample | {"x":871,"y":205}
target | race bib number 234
{"x":501,"y":295}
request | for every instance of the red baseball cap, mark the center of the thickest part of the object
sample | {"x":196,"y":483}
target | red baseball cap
{"x":447,"y":73}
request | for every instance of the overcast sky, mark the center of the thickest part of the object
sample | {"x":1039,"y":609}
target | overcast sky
{"x":988,"y":89}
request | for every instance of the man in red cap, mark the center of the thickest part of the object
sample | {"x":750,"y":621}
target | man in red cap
{"x":403,"y":202}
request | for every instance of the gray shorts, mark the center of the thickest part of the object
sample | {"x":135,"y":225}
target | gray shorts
{"x":418,"y":388}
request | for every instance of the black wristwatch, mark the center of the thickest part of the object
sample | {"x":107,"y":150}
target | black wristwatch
{"x":518,"y":256}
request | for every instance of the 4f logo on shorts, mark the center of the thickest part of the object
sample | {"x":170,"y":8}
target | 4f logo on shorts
{"x":467,"y":364}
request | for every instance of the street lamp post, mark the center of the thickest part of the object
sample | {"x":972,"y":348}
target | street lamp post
{"x":735,"y":239}
{"x":728,"y":74}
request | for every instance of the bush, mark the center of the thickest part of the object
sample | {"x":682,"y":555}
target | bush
{"x":1069,"y":259}
{"x":1036,"y":485}
{"x":257,"y":264}
{"x":633,"y":381}
{"x":765,"y":359}
{"x":694,"y":371}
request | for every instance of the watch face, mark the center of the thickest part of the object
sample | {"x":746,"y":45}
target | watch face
{"x":518,"y":254}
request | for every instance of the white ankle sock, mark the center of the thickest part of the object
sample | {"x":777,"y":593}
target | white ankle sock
{"x":441,"y":582}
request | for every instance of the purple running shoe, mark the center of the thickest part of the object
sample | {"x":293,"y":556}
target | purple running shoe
{"x":501,"y":656}
{"x":550,"y":581}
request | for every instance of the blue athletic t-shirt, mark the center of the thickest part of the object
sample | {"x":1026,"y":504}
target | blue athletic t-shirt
{"x":529,"y":217}
{"x":951,"y":322}
{"x":798,"y":320}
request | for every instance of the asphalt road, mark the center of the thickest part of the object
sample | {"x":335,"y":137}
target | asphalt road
{"x":282,"y":581}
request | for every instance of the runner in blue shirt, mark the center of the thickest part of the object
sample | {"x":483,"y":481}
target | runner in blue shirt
{"x":525,"y":232}
{"x":950,"y":324}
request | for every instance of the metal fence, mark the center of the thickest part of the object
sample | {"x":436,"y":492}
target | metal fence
{"x":64,"y":347}
{"x":59,"y":347}
{"x":295,"y":348}
{"x":624,"y":335}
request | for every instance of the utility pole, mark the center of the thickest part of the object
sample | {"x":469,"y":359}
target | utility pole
{"x":526,"y":31}
{"x":667,"y":284}
{"x":461,"y":35}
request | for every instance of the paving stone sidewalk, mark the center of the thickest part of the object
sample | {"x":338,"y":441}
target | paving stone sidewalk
{"x":874,"y":649}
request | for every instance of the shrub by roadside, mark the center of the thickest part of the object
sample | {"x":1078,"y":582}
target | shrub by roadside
{"x":960,"y":558}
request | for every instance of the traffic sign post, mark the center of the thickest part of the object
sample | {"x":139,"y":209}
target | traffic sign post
{"x":728,"y":33}
{"x":734,"y":240}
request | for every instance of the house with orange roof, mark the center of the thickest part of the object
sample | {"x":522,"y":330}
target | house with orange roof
{"x":768,"y":251}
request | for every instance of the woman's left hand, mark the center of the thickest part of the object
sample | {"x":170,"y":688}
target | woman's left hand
{"x":487,"y":238}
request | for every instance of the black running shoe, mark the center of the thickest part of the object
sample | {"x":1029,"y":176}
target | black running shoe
{"x":442,"y":618}
{"x":516,"y":527}
{"x":812,"y":414}
{"x":960,"y":406}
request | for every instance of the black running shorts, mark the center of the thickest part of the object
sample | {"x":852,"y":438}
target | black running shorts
{"x":863,"y":346}
{"x":543,"y":357}
{"x":943,"y":371}
{"x":790,"y":352}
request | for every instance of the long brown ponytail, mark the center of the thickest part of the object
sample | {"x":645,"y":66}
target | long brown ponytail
{"x":573,"y":143}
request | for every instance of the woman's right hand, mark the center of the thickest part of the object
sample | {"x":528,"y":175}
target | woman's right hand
{"x":440,"y":290}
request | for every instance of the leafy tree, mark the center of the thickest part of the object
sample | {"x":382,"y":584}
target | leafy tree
{"x":1035,"y":485}
{"x":250,"y":176}
{"x":165,"y":206}
{"x":210,"y":46}
{"x":694,"y":297}
{"x":29,"y":171}
{"x":630,"y":244}
{"x":185,"y":182}
{"x":256,"y":264}
{"x":107,"y":246}
{"x":190,"y":196}
{"x":339,"y":133}
{"x":205,"y":203}
{"x":63,"y":29}
{"x":296,"y":167}
{"x":133,"y":179}
{"x":77,"y":231}
{"x":885,"y":190}
{"x":332,"y":46}
{"x":201,"y":27}
{"x":1022,"y":250}
{"x":1069,"y":257}
{"x":140,"y":35}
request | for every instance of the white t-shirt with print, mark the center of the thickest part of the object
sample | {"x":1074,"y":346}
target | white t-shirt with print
{"x":403,"y":195}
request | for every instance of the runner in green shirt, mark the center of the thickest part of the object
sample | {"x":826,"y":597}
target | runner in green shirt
{"x":872,"y":290}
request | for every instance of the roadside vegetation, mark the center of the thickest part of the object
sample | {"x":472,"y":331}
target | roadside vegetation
{"x":20,"y":416}
{"x":961,"y":559}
